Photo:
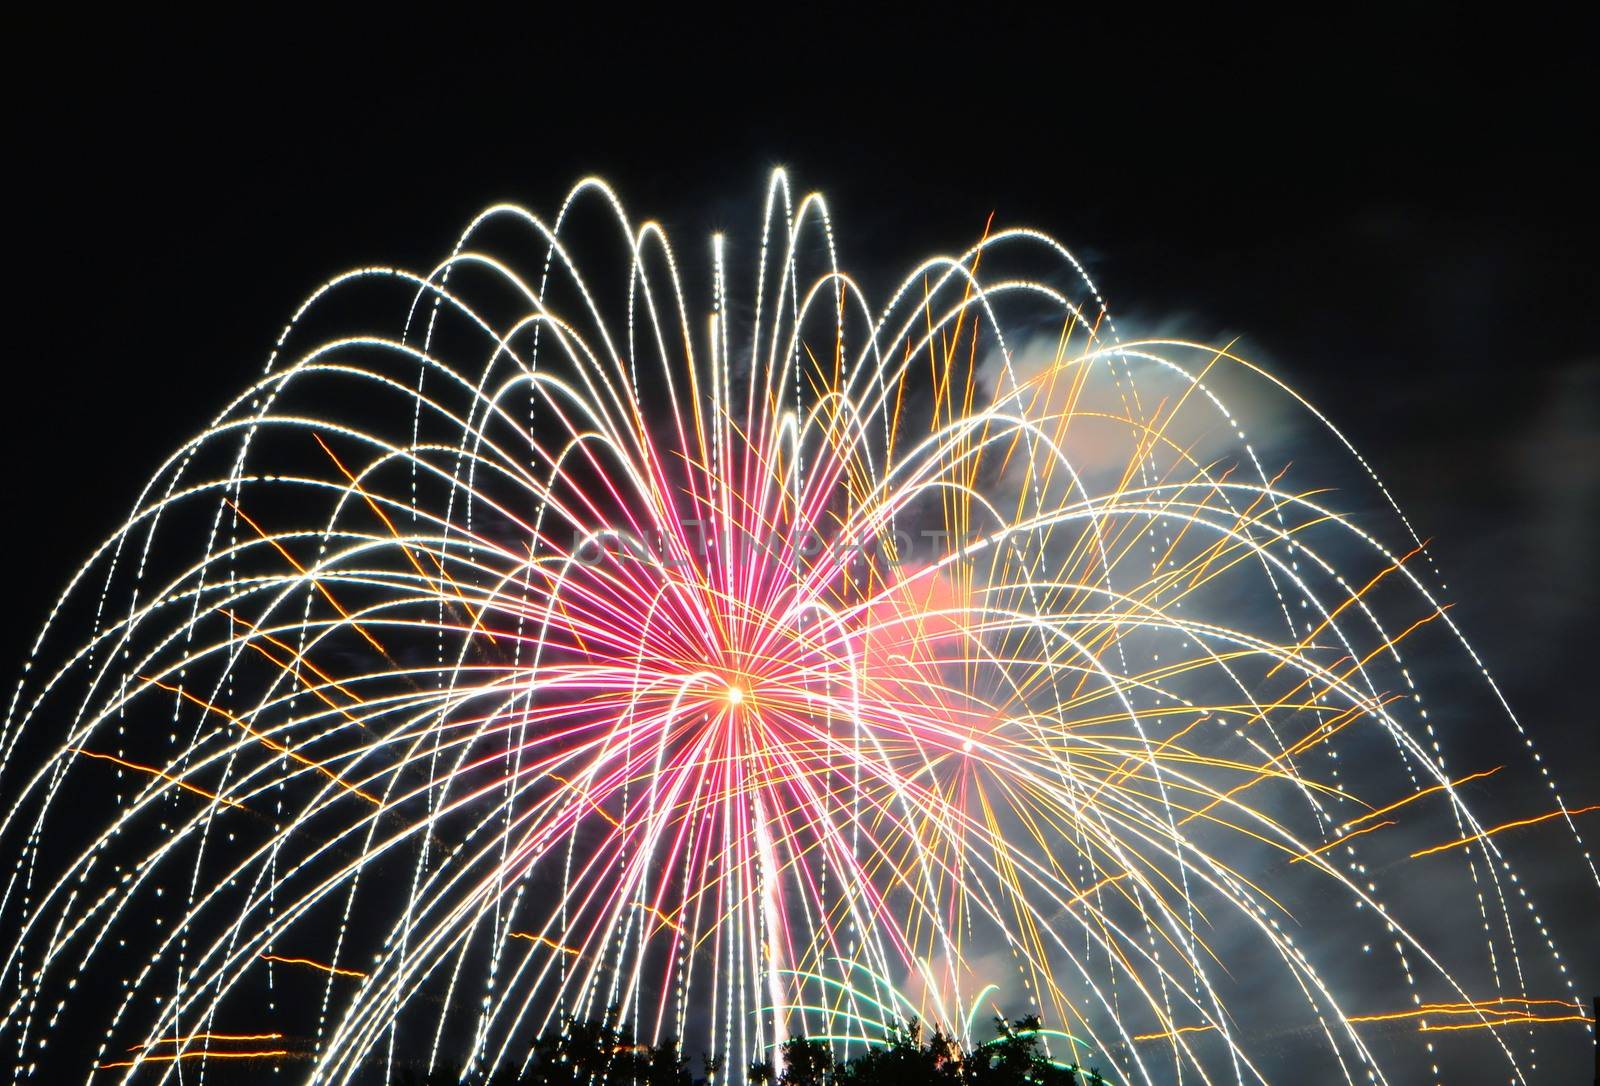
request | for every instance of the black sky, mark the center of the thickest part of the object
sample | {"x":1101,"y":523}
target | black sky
{"x":1397,"y":215}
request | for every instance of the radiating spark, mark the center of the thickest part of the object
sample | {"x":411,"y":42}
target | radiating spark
{"x":1482,"y":834}
{"x":324,"y":966}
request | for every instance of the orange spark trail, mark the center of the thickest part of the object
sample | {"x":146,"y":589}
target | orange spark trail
{"x":269,"y":743}
{"x":1505,"y":826}
{"x":326,"y":968}
{"x":1172,"y":1033}
{"x":208,"y":1037}
{"x":1425,"y":792}
{"x":544,"y":941}
{"x":153,"y":771}
{"x":170,"y":1057}
{"x":1340,"y":841}
{"x":317,"y":582}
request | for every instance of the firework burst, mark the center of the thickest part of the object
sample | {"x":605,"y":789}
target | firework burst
{"x":755,"y":661}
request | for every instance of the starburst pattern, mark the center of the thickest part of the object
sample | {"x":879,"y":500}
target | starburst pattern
{"x":756,"y":661}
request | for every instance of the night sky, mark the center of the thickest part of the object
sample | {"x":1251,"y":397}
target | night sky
{"x":1398,"y":218}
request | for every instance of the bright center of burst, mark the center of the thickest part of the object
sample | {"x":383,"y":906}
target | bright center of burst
{"x":735,"y":695}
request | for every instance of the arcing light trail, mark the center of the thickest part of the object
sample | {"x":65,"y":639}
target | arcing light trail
{"x":751,"y":666}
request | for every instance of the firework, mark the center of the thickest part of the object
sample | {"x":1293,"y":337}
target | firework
{"x":751,"y":661}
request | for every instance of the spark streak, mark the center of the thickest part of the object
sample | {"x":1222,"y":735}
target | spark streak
{"x":1483,"y":834}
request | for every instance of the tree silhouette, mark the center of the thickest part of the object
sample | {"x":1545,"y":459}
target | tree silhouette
{"x":1014,"y":1058}
{"x":906,"y":1060}
{"x":586,"y":1052}
{"x":600,"y":1053}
